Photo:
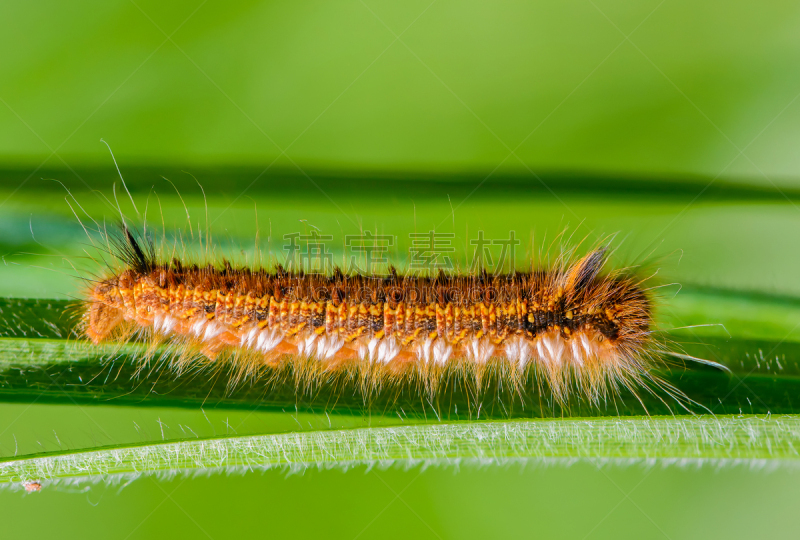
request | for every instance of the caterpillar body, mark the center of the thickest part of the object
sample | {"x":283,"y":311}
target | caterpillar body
{"x":575,"y":328}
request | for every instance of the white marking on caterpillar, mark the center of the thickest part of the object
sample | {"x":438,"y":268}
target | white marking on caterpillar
{"x":387,"y":350}
{"x":519,"y":352}
{"x":371,"y":346}
{"x":169,"y":324}
{"x":249,"y":338}
{"x":441,"y":352}
{"x":480,"y":351}
{"x":268,"y":340}
{"x":198,"y":327}
{"x":552,"y":351}
{"x":587,"y":345}
{"x":328,"y":346}
{"x":577,"y":352}
{"x":158,"y":320}
{"x":306,"y":347}
{"x":424,"y":350}
{"x":212,"y":331}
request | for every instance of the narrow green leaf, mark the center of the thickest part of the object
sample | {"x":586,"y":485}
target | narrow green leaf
{"x":702,"y":440}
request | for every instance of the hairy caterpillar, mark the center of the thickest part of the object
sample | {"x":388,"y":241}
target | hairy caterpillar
{"x":575,"y":329}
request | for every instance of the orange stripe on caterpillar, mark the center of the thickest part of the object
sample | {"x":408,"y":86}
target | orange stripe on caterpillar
{"x":570,"y":323}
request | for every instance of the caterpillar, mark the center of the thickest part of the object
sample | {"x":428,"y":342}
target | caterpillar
{"x":575,"y":328}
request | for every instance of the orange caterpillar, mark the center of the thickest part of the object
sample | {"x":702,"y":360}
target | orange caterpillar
{"x":573,"y":326}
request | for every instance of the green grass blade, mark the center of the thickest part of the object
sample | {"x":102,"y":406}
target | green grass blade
{"x":703,"y":439}
{"x":42,"y":359}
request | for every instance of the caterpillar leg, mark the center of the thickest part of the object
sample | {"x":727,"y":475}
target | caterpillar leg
{"x":343,"y":357}
{"x":102,"y":320}
{"x":401,"y":363}
{"x":280,"y":351}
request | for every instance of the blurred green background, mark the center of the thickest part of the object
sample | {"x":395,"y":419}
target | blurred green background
{"x":672,"y":125}
{"x":675,"y":87}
